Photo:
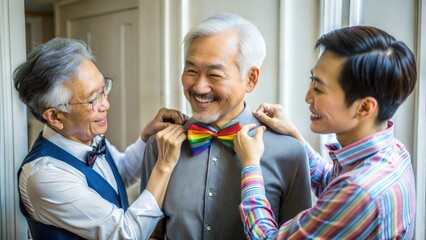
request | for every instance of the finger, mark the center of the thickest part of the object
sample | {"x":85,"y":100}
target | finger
{"x":179,"y":132}
{"x":182,"y":118}
{"x":175,"y":129}
{"x":167,"y":131}
{"x":174,"y":117}
{"x":163,"y":125}
{"x":261,"y":107}
{"x":259,"y":132}
{"x":166,"y":115}
{"x":268,"y":109}
{"x":179,"y":117}
{"x":185,"y":118}
{"x":162,"y":113}
{"x":177,"y":136}
{"x":246,"y":128}
{"x":181,"y":138}
{"x":264,"y":118}
{"x":271,"y":110}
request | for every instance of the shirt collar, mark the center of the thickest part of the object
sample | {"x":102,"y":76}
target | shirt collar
{"x":74,"y":148}
{"x":363,"y":148}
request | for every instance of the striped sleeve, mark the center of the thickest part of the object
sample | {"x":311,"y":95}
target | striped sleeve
{"x":319,"y":169}
{"x":367,"y":192}
{"x":346,"y":210}
{"x":257,"y":215}
{"x":252,"y":182}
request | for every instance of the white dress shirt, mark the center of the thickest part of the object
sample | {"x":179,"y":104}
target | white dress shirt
{"x":56,"y":193}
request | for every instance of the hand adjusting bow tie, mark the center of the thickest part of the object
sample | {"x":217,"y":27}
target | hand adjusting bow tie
{"x":97,"y":150}
{"x":200,"y":137}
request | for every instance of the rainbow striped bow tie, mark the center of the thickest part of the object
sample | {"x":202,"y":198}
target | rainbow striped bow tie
{"x":200,"y":136}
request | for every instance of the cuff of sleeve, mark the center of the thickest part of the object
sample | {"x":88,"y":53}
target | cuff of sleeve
{"x":252,"y":182}
{"x":147,"y":204}
{"x":139,"y":145}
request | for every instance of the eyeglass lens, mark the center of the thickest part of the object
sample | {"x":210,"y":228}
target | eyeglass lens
{"x":100,"y":97}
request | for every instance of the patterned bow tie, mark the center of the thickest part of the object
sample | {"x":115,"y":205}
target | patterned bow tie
{"x":200,"y":137}
{"x":97,"y":150}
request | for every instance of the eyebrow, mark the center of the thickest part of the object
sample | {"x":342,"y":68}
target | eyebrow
{"x":187,"y":62}
{"x":216,"y":66}
{"x":92,"y":93}
{"x":96,"y":91}
{"x":211,"y":66}
{"x":315,"y":78}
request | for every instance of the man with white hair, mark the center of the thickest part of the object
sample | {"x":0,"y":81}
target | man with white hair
{"x":223,"y":55}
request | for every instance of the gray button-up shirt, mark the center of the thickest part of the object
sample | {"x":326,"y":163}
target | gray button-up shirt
{"x":203,"y":195}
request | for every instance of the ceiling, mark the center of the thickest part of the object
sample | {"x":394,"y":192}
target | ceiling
{"x":39,"y":5}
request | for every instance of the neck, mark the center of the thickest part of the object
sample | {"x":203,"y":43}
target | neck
{"x":361,"y":132}
{"x":221,"y":122}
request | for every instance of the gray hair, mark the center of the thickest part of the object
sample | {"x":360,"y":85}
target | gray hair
{"x":40,"y":81}
{"x":251,"y":45}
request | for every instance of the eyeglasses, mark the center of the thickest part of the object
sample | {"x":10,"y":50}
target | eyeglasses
{"x":97,"y":101}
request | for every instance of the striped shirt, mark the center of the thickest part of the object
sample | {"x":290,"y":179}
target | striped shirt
{"x":368,"y":192}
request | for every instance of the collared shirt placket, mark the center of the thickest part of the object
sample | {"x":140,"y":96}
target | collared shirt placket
{"x":210,"y":195}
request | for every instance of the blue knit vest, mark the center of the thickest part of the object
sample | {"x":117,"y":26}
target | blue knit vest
{"x":43,"y":147}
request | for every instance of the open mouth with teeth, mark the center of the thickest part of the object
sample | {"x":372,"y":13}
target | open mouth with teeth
{"x":315,"y":116}
{"x":204,"y":98}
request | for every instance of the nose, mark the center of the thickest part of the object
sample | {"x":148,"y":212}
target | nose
{"x":104,"y":104}
{"x":308,"y":96}
{"x":201,"y":85}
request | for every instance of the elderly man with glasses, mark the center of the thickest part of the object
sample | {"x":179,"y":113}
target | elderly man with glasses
{"x":72,"y":182}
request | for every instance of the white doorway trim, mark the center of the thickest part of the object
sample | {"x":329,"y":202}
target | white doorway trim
{"x":420,"y":123}
{"x":13,"y":123}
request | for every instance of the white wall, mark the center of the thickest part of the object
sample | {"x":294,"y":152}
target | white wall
{"x":13,"y":121}
{"x":300,"y":29}
{"x":420,"y":122}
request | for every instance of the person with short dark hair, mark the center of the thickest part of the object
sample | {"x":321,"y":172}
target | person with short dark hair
{"x":72,"y":182}
{"x":368,"y":192}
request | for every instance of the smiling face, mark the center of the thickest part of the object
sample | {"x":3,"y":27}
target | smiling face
{"x":212,"y":81}
{"x":81,"y":124}
{"x":326,"y":99}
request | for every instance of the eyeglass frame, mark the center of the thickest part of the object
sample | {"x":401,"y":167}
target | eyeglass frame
{"x":100,"y":97}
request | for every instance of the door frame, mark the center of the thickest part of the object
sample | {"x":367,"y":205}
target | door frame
{"x":13,"y":123}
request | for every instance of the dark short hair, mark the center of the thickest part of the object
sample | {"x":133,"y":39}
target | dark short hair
{"x":376,"y":65}
{"x":40,"y":79}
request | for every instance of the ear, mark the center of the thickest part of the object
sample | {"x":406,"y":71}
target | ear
{"x":54,"y":118}
{"x":366,"y":108}
{"x":252,"y":77}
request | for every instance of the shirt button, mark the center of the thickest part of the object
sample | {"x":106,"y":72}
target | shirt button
{"x":209,"y":228}
{"x":210,"y":194}
{"x":214,"y":159}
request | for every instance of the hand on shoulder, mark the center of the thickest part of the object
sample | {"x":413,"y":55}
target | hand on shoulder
{"x":162,"y":120}
{"x":249,"y":149}
{"x":274,"y":117}
{"x":169,"y":142}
